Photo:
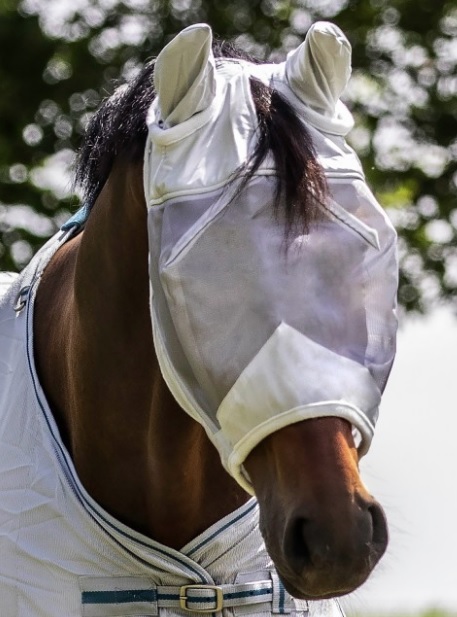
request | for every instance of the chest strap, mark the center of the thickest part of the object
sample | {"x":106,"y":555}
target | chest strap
{"x":100,"y":597}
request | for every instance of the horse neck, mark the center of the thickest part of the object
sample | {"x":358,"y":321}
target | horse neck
{"x":136,"y":452}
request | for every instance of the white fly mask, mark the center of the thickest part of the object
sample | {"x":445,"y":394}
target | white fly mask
{"x":253,"y":335}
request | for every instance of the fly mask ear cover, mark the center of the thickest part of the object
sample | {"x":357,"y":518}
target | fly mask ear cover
{"x":317,"y":72}
{"x":251,"y":336}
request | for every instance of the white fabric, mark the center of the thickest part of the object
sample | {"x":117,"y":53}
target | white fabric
{"x":252,"y":335}
{"x":188,"y":85}
{"x":317,"y":72}
{"x":6,"y":280}
{"x":58,"y":547}
{"x":248,"y":414}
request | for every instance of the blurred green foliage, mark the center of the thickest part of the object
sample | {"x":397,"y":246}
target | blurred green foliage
{"x":58,"y":59}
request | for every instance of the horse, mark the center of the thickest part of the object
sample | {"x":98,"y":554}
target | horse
{"x":195,"y":361}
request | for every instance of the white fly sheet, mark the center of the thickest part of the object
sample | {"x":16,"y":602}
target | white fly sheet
{"x":249,"y":338}
{"x":6,"y":280}
{"x":252,"y":337}
{"x":61,"y":554}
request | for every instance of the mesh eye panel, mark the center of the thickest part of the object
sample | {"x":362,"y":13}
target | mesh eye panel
{"x":225,"y":280}
{"x":253,"y":333}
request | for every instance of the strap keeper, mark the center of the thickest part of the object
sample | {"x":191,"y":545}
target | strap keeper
{"x":281,"y":603}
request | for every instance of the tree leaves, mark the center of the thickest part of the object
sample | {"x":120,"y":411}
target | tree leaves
{"x":59,"y":59}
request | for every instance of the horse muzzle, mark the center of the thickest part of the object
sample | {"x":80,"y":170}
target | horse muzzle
{"x":322,"y":529}
{"x":316,"y":561}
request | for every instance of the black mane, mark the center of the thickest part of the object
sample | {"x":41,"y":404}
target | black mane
{"x":118,"y":131}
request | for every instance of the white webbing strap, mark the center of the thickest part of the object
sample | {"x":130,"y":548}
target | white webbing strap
{"x":101,"y":597}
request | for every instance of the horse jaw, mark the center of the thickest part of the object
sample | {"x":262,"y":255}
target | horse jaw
{"x":322,"y":529}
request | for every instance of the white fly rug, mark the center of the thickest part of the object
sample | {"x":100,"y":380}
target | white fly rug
{"x":62,"y":555}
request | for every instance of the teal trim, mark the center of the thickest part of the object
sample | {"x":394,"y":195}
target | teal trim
{"x":282,"y":598}
{"x":62,"y":456}
{"x":223,"y":528}
{"x":78,"y":219}
{"x":247,"y":594}
{"x":227,"y":596}
{"x":167,"y":596}
{"x":199,"y":600}
{"x":126,"y":596}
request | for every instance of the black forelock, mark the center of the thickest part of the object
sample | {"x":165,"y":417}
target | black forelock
{"x":118,"y":131}
{"x":118,"y":128}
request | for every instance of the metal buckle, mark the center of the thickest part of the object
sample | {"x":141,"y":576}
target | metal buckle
{"x":21,"y":299}
{"x":219,"y":598}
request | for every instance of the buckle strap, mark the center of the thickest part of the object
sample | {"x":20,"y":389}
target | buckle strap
{"x":108,"y":596}
{"x":213,"y":598}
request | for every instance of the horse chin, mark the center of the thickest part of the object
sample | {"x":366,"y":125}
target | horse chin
{"x":299,"y":594}
{"x":308,"y":588}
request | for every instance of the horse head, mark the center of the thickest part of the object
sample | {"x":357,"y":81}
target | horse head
{"x":273,"y":280}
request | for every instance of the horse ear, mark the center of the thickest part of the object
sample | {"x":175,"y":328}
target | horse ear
{"x":319,"y":69}
{"x":184,"y":75}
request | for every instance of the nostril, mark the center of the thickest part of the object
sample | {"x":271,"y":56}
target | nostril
{"x":296,"y":546}
{"x":380,"y":532}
